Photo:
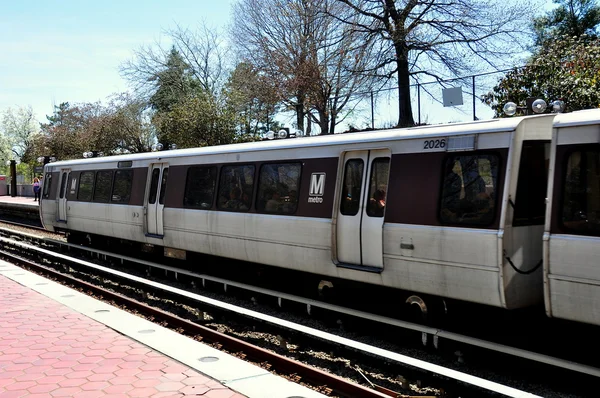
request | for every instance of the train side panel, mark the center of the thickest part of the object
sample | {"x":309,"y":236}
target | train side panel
{"x":572,"y":233}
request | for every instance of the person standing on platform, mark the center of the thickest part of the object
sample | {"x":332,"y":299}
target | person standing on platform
{"x":36,"y":189}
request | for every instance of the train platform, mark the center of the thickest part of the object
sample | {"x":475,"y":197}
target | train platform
{"x":18,"y":201}
{"x":20,"y":207}
{"x":58,"y":342}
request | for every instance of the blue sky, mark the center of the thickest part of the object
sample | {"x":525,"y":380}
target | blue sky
{"x":71,"y":50}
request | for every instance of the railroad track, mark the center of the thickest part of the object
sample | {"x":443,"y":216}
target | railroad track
{"x":449,"y":379}
{"x":35,"y":226}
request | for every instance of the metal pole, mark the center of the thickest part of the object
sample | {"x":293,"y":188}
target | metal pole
{"x":474,"y":116}
{"x":419,"y":101}
{"x":372,"y":112}
{"x":13,"y":178}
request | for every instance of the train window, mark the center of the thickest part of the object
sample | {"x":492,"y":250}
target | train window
{"x":469,"y":189}
{"x":86,"y":186}
{"x":47,"y":183}
{"x":581,"y":195}
{"x":352,"y":187}
{"x":200,"y":187}
{"x":63,"y":185}
{"x":235,"y":188}
{"x":163,"y":185}
{"x":103,"y":183}
{"x":530,"y":201}
{"x":122,"y":186}
{"x":278,"y":188}
{"x":154,"y":186}
{"x":380,"y":170}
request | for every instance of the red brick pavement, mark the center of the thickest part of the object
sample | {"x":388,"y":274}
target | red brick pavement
{"x":49,"y":350}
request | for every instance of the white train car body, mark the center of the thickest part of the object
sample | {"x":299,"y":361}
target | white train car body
{"x":432,"y":237}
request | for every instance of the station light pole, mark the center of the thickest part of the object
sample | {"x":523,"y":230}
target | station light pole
{"x":13,"y":177}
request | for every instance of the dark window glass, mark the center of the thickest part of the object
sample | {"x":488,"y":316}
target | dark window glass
{"x":380,"y":169}
{"x":530,"y":201}
{"x":63,"y":185}
{"x":163,"y":185}
{"x":581,"y":201}
{"x":47,"y":183}
{"x":469,"y":189}
{"x":352,"y":187}
{"x":102,"y":188}
{"x":122,"y":186}
{"x":200,"y":187}
{"x":86,"y":186}
{"x":278,"y":188}
{"x":235,"y":188}
{"x":154,"y":186}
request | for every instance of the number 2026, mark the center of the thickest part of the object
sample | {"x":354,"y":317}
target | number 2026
{"x":433,"y":144}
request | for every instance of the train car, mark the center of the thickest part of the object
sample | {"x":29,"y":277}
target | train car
{"x":572,"y":230}
{"x":452,"y":211}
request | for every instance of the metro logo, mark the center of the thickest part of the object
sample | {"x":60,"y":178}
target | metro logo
{"x":317,"y":184}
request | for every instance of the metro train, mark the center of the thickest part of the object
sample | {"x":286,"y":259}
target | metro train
{"x":502,"y":212}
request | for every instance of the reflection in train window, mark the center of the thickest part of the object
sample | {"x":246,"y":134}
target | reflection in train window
{"x":581,"y":201}
{"x":200,"y":187}
{"x":47,"y":183}
{"x":86,"y":186}
{"x":380,"y":169}
{"x":278,"y":188}
{"x":235,"y":188}
{"x":122,"y":186}
{"x":469,"y":189}
{"x":103,"y":182}
{"x":352,"y":187}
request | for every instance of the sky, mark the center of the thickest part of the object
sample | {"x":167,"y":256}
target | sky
{"x":70,"y":51}
{"x":59,"y":51}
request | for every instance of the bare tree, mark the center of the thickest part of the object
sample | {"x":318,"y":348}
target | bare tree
{"x":308,"y":55}
{"x":202,"y":50}
{"x":437,"y":39}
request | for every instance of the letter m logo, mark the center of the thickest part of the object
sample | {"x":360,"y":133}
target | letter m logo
{"x":317,"y":184}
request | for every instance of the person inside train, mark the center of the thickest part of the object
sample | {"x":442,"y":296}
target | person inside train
{"x":274,"y":204}
{"x":377,"y":203}
{"x":235,"y":200}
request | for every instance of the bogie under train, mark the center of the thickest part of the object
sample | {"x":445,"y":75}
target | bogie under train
{"x":504,"y":213}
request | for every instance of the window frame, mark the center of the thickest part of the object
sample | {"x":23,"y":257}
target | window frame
{"x":562,"y":191}
{"x":96,"y":186}
{"x":369,"y":194}
{"x":217,"y":170}
{"x":362,"y":197}
{"x":47,"y":185}
{"x":530,"y":221}
{"x":499,"y":183}
{"x":254,"y":187}
{"x":81,"y":174}
{"x":112,"y":191}
{"x":298,"y":183}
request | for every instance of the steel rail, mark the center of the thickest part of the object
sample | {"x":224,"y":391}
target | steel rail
{"x":282,"y":364}
{"x":459,"y":378}
{"x":310,"y":303}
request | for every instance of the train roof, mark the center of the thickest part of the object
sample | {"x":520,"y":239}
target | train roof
{"x":577,"y":118}
{"x":450,"y":129}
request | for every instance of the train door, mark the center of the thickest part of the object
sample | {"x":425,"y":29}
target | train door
{"x":155,"y":197}
{"x":359,"y":231}
{"x":62,"y":194}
